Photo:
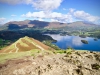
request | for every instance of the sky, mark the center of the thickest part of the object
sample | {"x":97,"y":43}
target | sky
{"x":65,"y":11}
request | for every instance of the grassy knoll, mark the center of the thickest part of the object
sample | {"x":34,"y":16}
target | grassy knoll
{"x":7,"y":56}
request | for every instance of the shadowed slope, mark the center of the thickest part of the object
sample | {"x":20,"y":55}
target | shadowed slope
{"x":31,"y":24}
{"x":42,"y":24}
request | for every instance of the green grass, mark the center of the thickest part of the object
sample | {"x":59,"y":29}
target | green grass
{"x":11,"y":47}
{"x":60,"y":51}
{"x":23,"y":44}
{"x":7,"y":56}
{"x":33,"y":52}
{"x":4,"y":57}
{"x":27,"y":38}
{"x":69,"y":51}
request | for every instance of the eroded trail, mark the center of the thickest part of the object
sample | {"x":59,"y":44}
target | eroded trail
{"x":38,"y":46}
{"x":16,"y":48}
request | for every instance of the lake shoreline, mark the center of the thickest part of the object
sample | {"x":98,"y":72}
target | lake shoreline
{"x":74,"y":42}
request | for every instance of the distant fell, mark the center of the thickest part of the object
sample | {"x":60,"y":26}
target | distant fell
{"x":43,"y":24}
{"x":31,"y":24}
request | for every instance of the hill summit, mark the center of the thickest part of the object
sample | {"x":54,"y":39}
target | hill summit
{"x":25,"y":44}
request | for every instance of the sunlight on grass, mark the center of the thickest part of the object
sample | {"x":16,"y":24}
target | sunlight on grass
{"x":12,"y":47}
{"x":23,"y":44}
{"x":33,"y":52}
{"x":6,"y":56}
{"x":69,"y":51}
{"x":27,"y":38}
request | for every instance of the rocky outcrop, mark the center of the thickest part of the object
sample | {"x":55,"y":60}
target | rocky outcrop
{"x":75,"y":63}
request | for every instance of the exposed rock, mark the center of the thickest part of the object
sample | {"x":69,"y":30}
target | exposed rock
{"x":76,"y":63}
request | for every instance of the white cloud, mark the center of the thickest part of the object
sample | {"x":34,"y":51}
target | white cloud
{"x":46,"y":5}
{"x":40,"y":19}
{"x":2,"y":20}
{"x":71,"y":10}
{"x":54,"y":20}
{"x":54,"y":16}
{"x":65,"y":18}
{"x":40,"y":14}
{"x":77,"y":41}
{"x":13,"y":15}
{"x":58,"y":37}
{"x":85,"y":16}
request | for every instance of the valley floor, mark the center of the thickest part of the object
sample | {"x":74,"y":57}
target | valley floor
{"x":76,"y":63}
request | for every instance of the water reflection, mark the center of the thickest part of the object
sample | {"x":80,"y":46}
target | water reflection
{"x":58,"y":37}
{"x":75,"y":42}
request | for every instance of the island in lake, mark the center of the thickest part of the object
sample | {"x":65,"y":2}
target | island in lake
{"x":84,"y":41}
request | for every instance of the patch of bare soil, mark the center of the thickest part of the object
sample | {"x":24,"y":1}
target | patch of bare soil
{"x":77,"y":63}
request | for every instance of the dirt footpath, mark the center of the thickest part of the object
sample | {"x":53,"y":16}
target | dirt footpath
{"x":77,"y":63}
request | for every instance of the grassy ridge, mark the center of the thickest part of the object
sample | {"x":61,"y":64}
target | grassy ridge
{"x":25,"y":44}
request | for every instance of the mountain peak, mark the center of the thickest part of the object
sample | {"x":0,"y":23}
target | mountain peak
{"x":25,"y":44}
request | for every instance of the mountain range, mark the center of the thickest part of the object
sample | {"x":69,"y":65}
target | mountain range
{"x":43,"y":24}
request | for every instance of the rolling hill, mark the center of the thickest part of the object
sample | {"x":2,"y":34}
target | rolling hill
{"x":42,"y":24}
{"x":80,"y":25}
{"x":31,"y":24}
{"x":25,"y":44}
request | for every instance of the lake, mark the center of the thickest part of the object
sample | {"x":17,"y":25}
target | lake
{"x":64,"y":42}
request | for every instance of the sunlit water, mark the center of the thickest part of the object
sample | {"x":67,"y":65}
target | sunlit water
{"x":64,"y":42}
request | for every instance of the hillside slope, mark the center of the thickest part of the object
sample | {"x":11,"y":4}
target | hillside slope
{"x":25,"y":44}
{"x":76,"y":63}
